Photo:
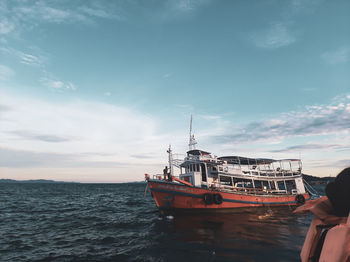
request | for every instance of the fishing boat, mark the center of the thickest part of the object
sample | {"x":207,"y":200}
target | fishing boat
{"x":208,"y":182}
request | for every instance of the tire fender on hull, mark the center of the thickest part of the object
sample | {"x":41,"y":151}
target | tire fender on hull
{"x":218,"y":199}
{"x":208,"y":199}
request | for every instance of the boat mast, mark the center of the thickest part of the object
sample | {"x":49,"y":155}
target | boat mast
{"x":170,"y":160}
{"x":192,"y":142}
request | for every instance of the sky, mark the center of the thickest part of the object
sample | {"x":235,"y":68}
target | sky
{"x":95,"y":91}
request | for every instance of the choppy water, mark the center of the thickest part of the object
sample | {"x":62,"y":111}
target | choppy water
{"x":114,"y":222}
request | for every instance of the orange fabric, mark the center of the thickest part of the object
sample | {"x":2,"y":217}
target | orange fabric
{"x":336,"y":247}
{"x":311,"y":240}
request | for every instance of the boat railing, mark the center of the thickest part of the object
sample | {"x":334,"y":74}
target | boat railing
{"x":270,"y":173}
{"x":158,"y":177}
{"x":249,"y":190}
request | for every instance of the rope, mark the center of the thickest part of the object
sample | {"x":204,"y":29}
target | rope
{"x":310,"y":189}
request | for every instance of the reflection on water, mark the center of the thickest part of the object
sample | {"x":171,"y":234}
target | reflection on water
{"x":257,"y":234}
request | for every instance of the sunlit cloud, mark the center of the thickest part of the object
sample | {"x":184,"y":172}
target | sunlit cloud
{"x":81,"y":131}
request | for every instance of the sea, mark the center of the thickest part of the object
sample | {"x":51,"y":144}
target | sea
{"x":118,"y":222}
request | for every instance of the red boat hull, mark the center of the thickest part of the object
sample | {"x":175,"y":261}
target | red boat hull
{"x":170,"y":195}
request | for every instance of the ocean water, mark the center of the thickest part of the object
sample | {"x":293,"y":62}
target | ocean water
{"x":115,"y":222}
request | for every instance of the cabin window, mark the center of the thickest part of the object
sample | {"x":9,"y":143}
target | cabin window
{"x":188,"y":179}
{"x":258,"y":184}
{"x":204,"y":173}
{"x":272,"y":184}
{"x":281,"y":185}
{"x":194,"y":168}
{"x":241,"y":182}
{"x":226,"y":180}
{"x":290,"y":185}
{"x":266,"y":184}
{"x":213,"y":169}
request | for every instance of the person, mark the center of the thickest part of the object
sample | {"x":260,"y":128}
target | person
{"x":328,"y":237}
{"x":165,"y":172}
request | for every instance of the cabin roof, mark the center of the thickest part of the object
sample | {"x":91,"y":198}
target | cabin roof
{"x":246,"y":161}
{"x":251,"y":161}
{"x":197,"y":152}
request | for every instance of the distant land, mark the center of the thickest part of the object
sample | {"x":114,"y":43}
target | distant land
{"x":317,"y":180}
{"x":47,"y":181}
{"x":42,"y":181}
{"x":310,"y":179}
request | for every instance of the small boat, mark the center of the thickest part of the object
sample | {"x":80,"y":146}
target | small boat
{"x":208,"y":182}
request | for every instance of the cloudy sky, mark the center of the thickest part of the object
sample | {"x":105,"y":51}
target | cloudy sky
{"x":95,"y":91}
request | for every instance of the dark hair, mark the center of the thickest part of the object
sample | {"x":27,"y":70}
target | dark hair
{"x":338,"y":192}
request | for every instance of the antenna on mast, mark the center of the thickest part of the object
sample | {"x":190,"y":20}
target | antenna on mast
{"x":192,"y":142}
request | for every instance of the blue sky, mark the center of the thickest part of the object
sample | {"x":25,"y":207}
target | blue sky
{"x":94,"y":91}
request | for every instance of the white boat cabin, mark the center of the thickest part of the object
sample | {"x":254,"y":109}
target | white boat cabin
{"x":241,"y":174}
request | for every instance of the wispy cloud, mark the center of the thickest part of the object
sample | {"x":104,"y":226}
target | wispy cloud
{"x":144,"y":156}
{"x":275,"y":36}
{"x":25,"y":57}
{"x":100,"y":12}
{"x":29,"y":59}
{"x":39,"y":61}
{"x":185,"y":5}
{"x":307,"y":147}
{"x":54,"y":12}
{"x":18,"y":16}
{"x":282,"y":30}
{"x":341,"y":55}
{"x":6,"y":26}
{"x":57,"y":85}
{"x":40,"y":11}
{"x":30,"y":135}
{"x":169,"y":10}
{"x":313,"y":120}
{"x":5,"y":72}
{"x":167,"y":75}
